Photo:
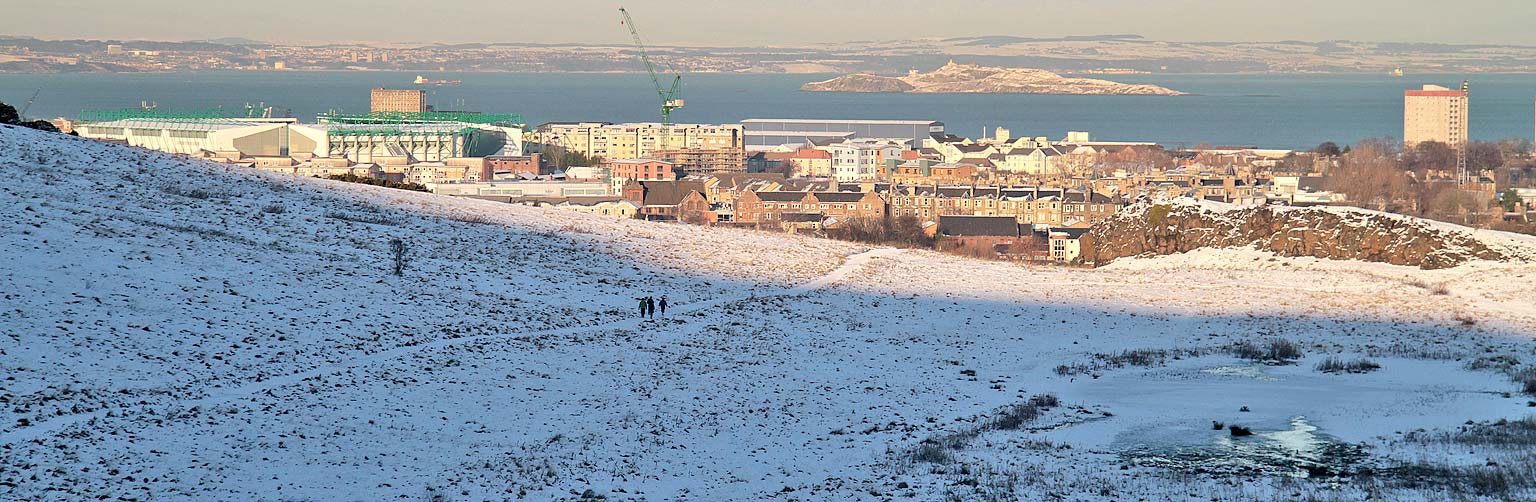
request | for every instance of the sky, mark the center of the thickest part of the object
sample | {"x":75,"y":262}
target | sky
{"x":771,"y":22}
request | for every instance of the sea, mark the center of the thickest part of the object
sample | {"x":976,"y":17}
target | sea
{"x":1268,"y":110}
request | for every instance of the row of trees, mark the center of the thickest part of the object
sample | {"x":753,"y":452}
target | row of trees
{"x":560,"y":157}
{"x":1381,"y":174}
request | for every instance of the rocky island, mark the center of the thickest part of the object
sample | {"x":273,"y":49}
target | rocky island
{"x":975,"y":79}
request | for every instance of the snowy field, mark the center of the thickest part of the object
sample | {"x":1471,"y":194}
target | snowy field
{"x":174,"y":330}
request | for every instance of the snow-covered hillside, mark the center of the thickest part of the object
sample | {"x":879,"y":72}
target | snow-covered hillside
{"x":174,"y":330}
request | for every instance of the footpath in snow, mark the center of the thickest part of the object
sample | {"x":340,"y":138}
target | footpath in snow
{"x":174,"y":330}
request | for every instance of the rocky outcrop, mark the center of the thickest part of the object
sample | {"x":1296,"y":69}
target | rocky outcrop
{"x":1145,"y":229}
{"x":859,"y":82}
{"x":957,"y":78}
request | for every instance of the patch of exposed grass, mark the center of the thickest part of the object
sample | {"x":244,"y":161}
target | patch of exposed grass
{"x":1337,"y":365}
{"x":1158,"y":214}
{"x":1276,"y":351}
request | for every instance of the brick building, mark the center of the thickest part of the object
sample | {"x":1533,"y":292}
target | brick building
{"x":980,"y":232}
{"x":770,"y":206}
{"x":846,"y":205}
{"x":398,"y":100}
{"x":623,"y":171}
{"x":670,"y":200}
{"x":511,"y":165}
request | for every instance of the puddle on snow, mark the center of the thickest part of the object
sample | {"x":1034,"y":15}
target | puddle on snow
{"x":1254,"y":371}
{"x":1300,"y":451}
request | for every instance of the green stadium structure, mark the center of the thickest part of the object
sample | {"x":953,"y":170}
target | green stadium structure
{"x":375,"y":137}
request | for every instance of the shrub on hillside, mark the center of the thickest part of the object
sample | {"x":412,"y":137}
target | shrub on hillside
{"x":1276,"y":351}
{"x":899,"y":231}
{"x":1158,"y":214}
{"x":353,"y":178}
{"x":1336,"y":365}
{"x":9,"y":116}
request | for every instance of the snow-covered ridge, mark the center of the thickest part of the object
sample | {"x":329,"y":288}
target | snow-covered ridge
{"x":174,"y":330}
{"x":163,"y":278}
{"x":1342,"y":233}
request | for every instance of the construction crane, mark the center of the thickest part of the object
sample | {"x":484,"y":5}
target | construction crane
{"x":671,"y":97}
{"x":23,"y":113}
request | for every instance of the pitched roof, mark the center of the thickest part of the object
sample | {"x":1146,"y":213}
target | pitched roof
{"x":669,"y":193}
{"x":974,"y":226}
{"x":780,"y":196}
{"x":736,"y":180}
{"x":800,"y":217}
{"x":1071,"y":233}
{"x":639,"y":161}
{"x":839,"y":196}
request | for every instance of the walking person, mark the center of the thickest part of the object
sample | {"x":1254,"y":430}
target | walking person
{"x":663,"y":305}
{"x":650,"y":307}
{"x":642,"y":308}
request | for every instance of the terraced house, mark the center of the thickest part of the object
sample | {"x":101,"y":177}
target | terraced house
{"x":1029,"y":205}
{"x":772,"y":207}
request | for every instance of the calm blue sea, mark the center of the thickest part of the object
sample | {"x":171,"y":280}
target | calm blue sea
{"x":1279,"y":111}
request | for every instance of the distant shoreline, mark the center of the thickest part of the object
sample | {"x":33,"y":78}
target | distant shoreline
{"x":1408,"y":77}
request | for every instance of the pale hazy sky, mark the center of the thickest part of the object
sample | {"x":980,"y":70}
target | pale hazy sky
{"x":771,"y":22}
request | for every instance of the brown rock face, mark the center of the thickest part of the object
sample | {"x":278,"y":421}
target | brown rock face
{"x":1145,"y":229}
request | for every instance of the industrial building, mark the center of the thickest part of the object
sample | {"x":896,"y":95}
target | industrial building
{"x":393,"y":138}
{"x":767,"y":134}
{"x":637,"y":140}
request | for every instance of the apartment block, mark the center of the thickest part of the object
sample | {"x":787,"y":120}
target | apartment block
{"x":1435,"y":113}
{"x":398,"y":100}
{"x":638,"y":140}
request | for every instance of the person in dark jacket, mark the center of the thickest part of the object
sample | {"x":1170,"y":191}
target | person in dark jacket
{"x":663,"y":304}
{"x":650,"y":306}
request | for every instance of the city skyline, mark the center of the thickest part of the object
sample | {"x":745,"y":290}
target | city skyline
{"x":785,"y":23}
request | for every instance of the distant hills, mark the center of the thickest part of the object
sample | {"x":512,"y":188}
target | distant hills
{"x":1105,"y":53}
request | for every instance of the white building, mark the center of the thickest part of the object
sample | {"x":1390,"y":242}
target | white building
{"x":1435,"y":113}
{"x":636,"y":140}
{"x":859,"y":160}
{"x":284,"y":137}
{"x":618,"y":208}
{"x":1032,"y":161}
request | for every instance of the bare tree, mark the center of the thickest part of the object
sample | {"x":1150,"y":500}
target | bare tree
{"x":399,"y":250}
{"x":1076,"y":164}
{"x":1370,"y":176}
